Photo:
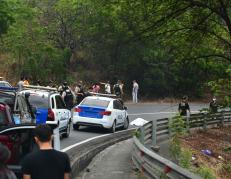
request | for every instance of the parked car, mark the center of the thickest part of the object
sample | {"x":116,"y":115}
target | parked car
{"x":49,"y":107}
{"x":4,"y":84}
{"x":100,"y":111}
{"x":20,"y":108}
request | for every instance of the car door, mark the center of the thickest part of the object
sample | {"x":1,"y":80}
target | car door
{"x":121,"y":112}
{"x":116,"y":110}
{"x":62,"y":114}
{"x":20,"y":141}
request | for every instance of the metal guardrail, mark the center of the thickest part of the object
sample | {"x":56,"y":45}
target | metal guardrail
{"x":155,"y":166}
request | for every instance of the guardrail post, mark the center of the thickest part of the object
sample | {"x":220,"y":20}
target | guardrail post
{"x":222,"y":118}
{"x":187,"y":123}
{"x":142,"y":134}
{"x":154,"y":122}
{"x":205,"y":122}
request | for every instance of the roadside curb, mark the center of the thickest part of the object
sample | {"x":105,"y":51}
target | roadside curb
{"x":82,"y":154}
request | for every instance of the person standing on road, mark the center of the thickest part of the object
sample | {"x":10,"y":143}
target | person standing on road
{"x":213,"y":106}
{"x":117,"y":89}
{"x":5,"y":173}
{"x":79,"y":92}
{"x":135,"y":92}
{"x":46,"y":163}
{"x":67,"y":96}
{"x":107,"y":87}
{"x":183,"y":107}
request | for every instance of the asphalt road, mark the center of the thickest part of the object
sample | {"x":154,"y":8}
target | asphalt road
{"x":147,"y":111}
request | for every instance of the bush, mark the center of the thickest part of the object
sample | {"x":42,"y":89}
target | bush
{"x":185,"y":158}
{"x":206,"y":173}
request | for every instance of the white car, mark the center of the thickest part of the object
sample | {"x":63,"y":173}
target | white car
{"x":49,"y":107}
{"x":99,"y":111}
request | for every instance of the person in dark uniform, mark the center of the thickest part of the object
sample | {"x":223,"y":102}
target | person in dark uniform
{"x":213,"y":106}
{"x":183,"y":107}
{"x":67,"y":96}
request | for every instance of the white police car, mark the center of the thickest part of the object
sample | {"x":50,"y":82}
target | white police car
{"x":49,"y":107}
{"x":100,"y":111}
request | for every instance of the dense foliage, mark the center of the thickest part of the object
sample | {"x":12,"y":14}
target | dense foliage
{"x":171,"y":47}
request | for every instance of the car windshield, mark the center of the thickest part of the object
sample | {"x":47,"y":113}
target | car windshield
{"x":95,"y":102}
{"x":38,"y":101}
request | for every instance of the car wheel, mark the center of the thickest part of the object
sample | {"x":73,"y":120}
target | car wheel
{"x":76,"y":127}
{"x":113,"y":127}
{"x":68,"y":130}
{"x":126,"y":123}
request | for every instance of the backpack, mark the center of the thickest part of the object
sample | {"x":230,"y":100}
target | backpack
{"x":117,"y":89}
{"x":68,"y":97}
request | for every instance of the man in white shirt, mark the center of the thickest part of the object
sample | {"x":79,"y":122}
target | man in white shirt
{"x":135,"y":92}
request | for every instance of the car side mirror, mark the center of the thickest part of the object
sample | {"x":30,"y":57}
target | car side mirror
{"x":125,"y":108}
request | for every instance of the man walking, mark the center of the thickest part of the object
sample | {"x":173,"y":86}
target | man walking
{"x":135,"y":92}
{"x":46,"y":163}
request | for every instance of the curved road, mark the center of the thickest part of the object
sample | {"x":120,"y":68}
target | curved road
{"x":147,"y":111}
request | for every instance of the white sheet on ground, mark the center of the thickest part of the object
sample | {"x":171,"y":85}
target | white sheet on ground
{"x":138,"y":122}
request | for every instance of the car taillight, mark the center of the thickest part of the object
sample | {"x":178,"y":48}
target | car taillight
{"x":78,"y":110}
{"x":51,"y":115}
{"x":106,"y":113}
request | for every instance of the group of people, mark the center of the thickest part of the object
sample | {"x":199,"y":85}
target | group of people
{"x":184,"y":109}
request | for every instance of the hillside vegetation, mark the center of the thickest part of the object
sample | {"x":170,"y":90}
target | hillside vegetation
{"x":170,"y":47}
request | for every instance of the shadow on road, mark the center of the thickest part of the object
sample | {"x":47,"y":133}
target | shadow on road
{"x":92,"y":129}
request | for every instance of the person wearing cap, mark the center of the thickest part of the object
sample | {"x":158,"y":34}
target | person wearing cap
{"x":5,"y":173}
{"x":213,"y":105}
{"x":46,"y":163}
{"x":183,"y":107}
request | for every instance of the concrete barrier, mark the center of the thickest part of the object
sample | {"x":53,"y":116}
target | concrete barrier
{"x":82,"y":153}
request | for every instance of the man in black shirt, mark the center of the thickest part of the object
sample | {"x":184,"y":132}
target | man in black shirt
{"x":46,"y":163}
{"x":184,"y":106}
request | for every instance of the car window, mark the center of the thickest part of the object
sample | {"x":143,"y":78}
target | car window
{"x":52,"y":103}
{"x":4,"y":84}
{"x":117,"y":105}
{"x":8,"y":98}
{"x":59,"y":102}
{"x":95,"y":102}
{"x":38,"y":101}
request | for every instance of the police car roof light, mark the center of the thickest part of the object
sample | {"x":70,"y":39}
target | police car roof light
{"x":39,"y":87}
{"x":104,"y":95}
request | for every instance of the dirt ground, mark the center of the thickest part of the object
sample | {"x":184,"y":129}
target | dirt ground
{"x":218,"y":141}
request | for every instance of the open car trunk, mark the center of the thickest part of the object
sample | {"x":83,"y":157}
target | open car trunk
{"x":20,"y":141}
